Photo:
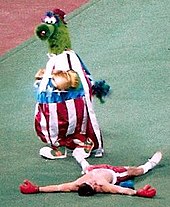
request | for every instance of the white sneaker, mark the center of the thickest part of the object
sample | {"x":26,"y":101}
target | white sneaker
{"x":155,"y":159}
{"x":99,"y":152}
{"x":46,"y":152}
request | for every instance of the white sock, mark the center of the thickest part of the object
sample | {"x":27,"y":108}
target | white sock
{"x":146,"y":167}
{"x":84,"y":164}
{"x":79,"y":154}
{"x":152,"y":162}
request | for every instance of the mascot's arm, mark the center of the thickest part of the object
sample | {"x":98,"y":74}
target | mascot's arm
{"x":100,"y":89}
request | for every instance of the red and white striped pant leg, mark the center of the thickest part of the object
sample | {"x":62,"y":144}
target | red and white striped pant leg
{"x":52,"y":122}
{"x":41,"y":122}
{"x":55,"y":121}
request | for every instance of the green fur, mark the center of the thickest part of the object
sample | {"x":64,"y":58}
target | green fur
{"x":60,"y":40}
{"x":57,"y":36}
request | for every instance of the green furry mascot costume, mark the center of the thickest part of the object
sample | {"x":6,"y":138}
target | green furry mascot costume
{"x":64,"y":115}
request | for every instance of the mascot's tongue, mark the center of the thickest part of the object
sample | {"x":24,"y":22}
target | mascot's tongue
{"x":43,"y":33}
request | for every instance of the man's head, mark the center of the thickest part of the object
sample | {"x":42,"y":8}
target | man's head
{"x":85,"y":190}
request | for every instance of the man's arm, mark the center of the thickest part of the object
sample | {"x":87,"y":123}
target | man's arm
{"x":28,"y":187}
{"x":103,"y":187}
{"x":64,"y":187}
{"x":147,"y":191}
{"x":115,"y":189}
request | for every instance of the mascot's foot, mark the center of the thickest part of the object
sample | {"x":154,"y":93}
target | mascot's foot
{"x":99,"y":152}
{"x":49,"y":153}
{"x":88,"y":145}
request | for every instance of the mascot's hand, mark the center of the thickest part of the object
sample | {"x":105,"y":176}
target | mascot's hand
{"x":28,"y":187}
{"x":100,"y":89}
{"x":146,"y":191}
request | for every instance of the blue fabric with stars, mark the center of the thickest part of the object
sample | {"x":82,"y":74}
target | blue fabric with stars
{"x":51,"y":95}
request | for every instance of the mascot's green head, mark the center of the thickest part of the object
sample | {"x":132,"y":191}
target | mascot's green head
{"x":54,"y":30}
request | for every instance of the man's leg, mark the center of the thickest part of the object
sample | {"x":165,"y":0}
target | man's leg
{"x":83,"y":152}
{"x":80,"y":155}
{"x":150,"y":164}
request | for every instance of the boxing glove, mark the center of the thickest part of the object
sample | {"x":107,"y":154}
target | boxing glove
{"x":74,"y":79}
{"x":146,"y":191}
{"x":28,"y":187}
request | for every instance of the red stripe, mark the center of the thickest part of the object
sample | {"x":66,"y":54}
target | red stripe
{"x":62,"y":119}
{"x":38,"y":125}
{"x":88,"y":82}
{"x":79,"y":105}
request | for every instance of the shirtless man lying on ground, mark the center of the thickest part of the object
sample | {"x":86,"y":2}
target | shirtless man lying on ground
{"x":101,"y":179}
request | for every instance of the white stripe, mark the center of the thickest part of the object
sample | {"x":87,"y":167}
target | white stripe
{"x":72,"y":118}
{"x":53,"y":122}
{"x":123,"y":174}
{"x":36,"y":109}
{"x":47,"y":74}
{"x":84,"y":122}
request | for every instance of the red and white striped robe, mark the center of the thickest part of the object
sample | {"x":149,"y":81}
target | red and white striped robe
{"x":58,"y":124}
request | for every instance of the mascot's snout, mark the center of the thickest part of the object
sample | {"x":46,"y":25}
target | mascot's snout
{"x":44,"y":31}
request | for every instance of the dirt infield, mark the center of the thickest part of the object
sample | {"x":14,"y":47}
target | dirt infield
{"x":18,"y":18}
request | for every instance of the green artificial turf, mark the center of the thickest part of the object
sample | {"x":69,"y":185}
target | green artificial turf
{"x":125,"y":42}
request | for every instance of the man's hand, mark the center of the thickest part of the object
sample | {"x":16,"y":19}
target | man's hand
{"x":146,"y":191}
{"x":28,"y":187}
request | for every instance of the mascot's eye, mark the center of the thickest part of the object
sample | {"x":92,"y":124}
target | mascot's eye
{"x":50,"y":20}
